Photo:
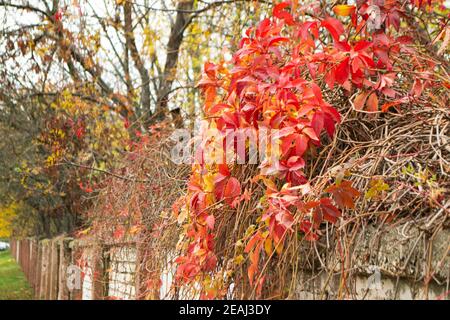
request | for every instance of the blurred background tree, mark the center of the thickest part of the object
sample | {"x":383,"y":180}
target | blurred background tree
{"x":79,"y":79}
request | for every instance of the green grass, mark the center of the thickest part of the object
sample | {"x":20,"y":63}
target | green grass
{"x":13,"y":285}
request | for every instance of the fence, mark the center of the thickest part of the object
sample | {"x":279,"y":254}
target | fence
{"x":67,"y":269}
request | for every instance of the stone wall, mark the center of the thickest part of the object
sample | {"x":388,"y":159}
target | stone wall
{"x":390,"y":262}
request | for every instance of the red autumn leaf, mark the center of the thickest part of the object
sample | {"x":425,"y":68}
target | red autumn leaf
{"x":197,"y":202}
{"x":277,"y":40}
{"x":342,"y":71}
{"x":224,"y":170}
{"x":279,"y":8}
{"x":311,"y":133}
{"x":343,"y":194}
{"x":263,"y":27}
{"x":329,"y":125}
{"x":210,"y":262}
{"x":317,"y":122}
{"x":87,"y":189}
{"x":417,"y":88}
{"x":118,"y":232}
{"x":362,"y":45}
{"x":394,"y":19}
{"x":330,"y":78}
{"x":210,"y":221}
{"x":297,"y":142}
{"x":343,"y":46}
{"x":210,"y":69}
{"x":332,"y":112}
{"x":186,"y":270}
{"x":334,"y":26}
{"x":193,"y":185}
{"x":79,"y":132}
{"x":280,"y":12}
{"x":301,"y":144}
{"x":285,"y":219}
{"x":207,"y":81}
{"x":326,"y":211}
{"x":306,"y":227}
{"x":218,"y":107}
{"x":232,"y":191}
{"x":126,"y":123}
{"x":58,"y":15}
{"x":317,"y":93}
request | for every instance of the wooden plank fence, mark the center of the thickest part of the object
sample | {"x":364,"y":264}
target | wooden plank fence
{"x":66,"y":269}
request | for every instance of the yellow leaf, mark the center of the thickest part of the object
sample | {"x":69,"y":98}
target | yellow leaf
{"x":208,"y":180}
{"x":239,"y":259}
{"x":134,"y":229}
{"x":84,"y":232}
{"x":344,"y":10}
{"x":279,"y":248}
{"x":182,"y":216}
{"x":268,"y":246}
{"x":377,"y":186}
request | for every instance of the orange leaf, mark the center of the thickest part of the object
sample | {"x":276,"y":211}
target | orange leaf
{"x":260,"y":286}
{"x":360,"y":100}
{"x":232,"y":190}
{"x":252,"y":242}
{"x":388,"y":105}
{"x":251,"y":273}
{"x":344,"y":10}
{"x":372,"y":103}
{"x":254,"y":258}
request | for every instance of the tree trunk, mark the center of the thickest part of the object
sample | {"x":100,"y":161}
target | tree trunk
{"x":131,"y":46}
{"x":173,"y":46}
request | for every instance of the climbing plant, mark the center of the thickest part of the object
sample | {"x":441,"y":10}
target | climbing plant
{"x":281,"y":78}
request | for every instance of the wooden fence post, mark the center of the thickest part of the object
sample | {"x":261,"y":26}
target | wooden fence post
{"x":44,"y":272}
{"x":53,"y":270}
{"x":65,"y":260}
{"x":99,"y":286}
